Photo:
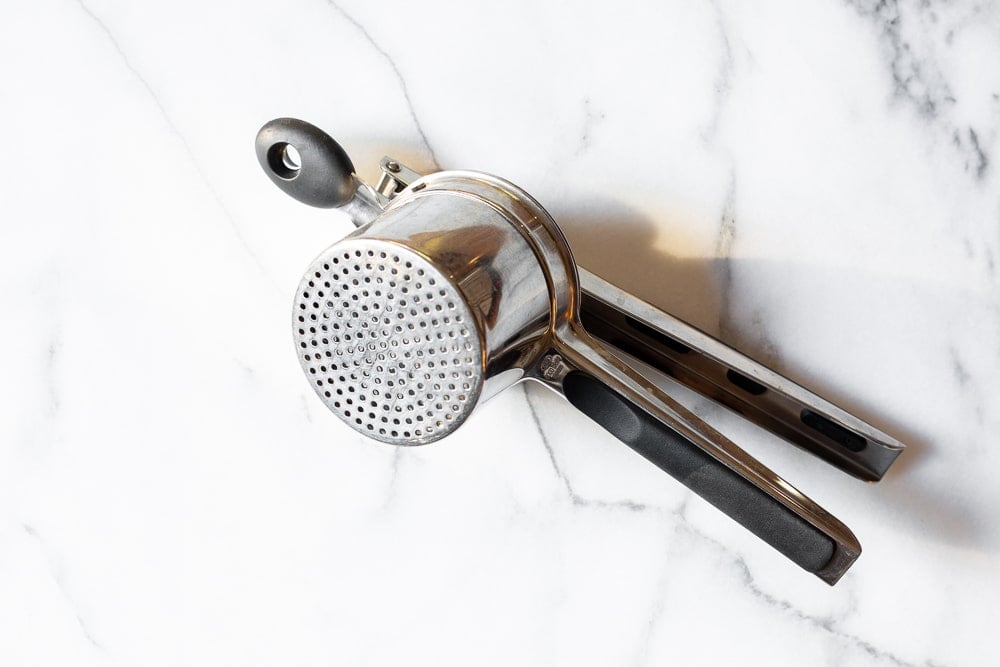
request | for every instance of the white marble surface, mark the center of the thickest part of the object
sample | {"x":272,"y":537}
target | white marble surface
{"x":815,"y":182}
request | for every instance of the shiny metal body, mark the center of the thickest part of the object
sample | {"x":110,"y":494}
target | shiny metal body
{"x":481,"y":252}
{"x":443,"y":291}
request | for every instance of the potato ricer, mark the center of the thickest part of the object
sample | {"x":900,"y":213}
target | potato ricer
{"x":457,"y":284}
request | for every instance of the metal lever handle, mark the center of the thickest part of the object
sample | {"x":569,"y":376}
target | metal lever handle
{"x":719,"y":372}
{"x":768,"y":519}
{"x":678,"y":442}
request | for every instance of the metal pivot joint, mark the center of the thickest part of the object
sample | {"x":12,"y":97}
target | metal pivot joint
{"x":458,"y":284}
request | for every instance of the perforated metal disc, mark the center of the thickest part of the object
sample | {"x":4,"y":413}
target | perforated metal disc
{"x":387,"y":342}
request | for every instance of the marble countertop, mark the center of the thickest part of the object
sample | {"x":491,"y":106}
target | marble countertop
{"x":815,"y":183}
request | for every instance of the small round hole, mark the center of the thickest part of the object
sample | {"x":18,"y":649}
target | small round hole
{"x":284,"y":160}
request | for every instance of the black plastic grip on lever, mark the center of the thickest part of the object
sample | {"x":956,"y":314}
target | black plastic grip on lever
{"x":742,"y":500}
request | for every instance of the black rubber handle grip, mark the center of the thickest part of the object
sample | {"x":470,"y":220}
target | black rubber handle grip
{"x":742,"y":500}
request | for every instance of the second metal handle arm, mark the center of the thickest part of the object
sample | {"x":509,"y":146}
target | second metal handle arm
{"x":680,"y":443}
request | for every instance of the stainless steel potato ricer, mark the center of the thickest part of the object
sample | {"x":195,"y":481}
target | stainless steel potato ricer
{"x":457,"y":284}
